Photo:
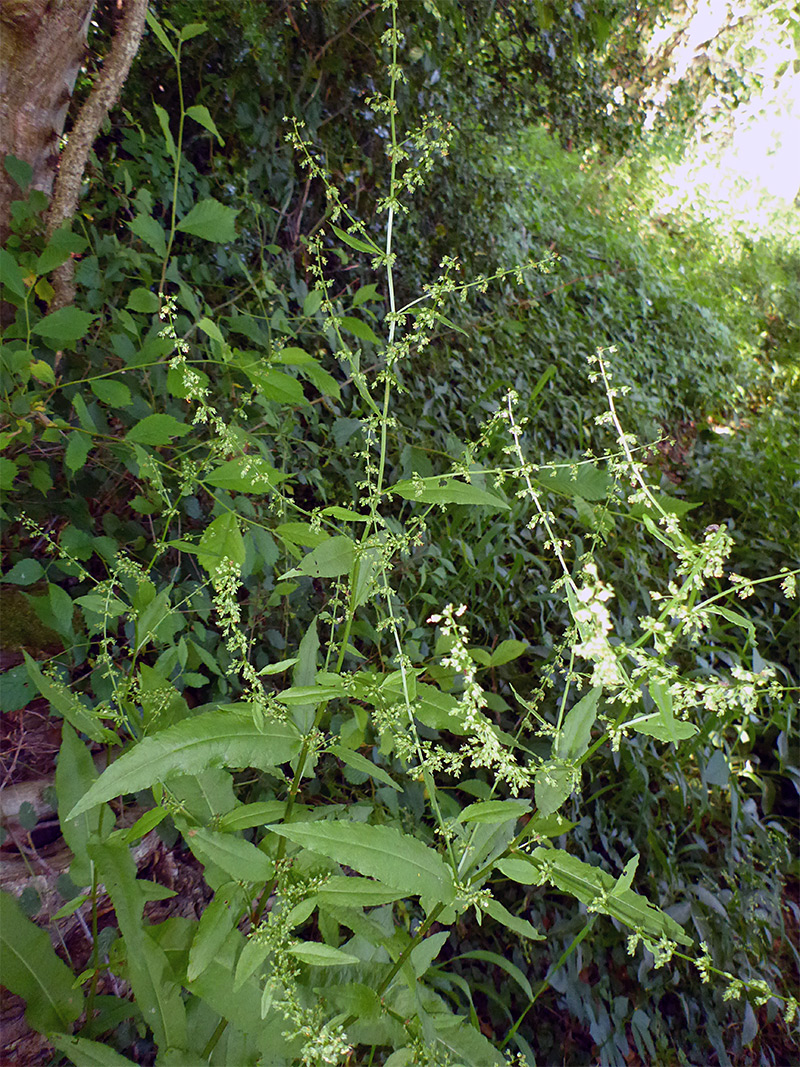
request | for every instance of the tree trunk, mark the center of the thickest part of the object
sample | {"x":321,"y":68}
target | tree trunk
{"x":42,"y":46}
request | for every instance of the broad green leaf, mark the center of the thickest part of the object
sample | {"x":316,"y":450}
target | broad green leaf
{"x":154,"y":987}
{"x":322,"y":381}
{"x":365,"y":293}
{"x":446,"y":491}
{"x":113,"y":393}
{"x":317,"y":954}
{"x":157,"y":430}
{"x":507,"y":651}
{"x":20,"y":171}
{"x":238,"y":858}
{"x":210,"y":329}
{"x":672,"y":730}
{"x":42,"y":372}
{"x":144,"y":300}
{"x":77,"y":451}
{"x":584,"y":480}
{"x":301,"y":533}
{"x":332,"y":558}
{"x":356,"y":242}
{"x":309,"y":694}
{"x":85,"y":1053}
{"x":25,"y":572}
{"x":65,"y":703}
{"x":576,"y":730}
{"x":360,"y":329}
{"x":210,"y":220}
{"x":313,"y":302}
{"x":221,"y":541}
{"x":361,"y":763}
{"x":60,"y":247}
{"x":549,"y":825}
{"x":201,"y":114}
{"x":381,"y":852}
{"x":62,"y":328}
{"x":226,"y":738}
{"x":8,"y":472}
{"x":10,"y":274}
{"x":215,"y":925}
{"x":494,"y":811}
{"x":423,"y":954}
{"x":33,"y":971}
{"x":245,"y":474}
{"x":554,"y":782}
{"x":512,"y":922}
{"x":150,"y":231}
{"x":190,"y":30}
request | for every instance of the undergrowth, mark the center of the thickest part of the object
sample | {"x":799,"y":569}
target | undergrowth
{"x":417,"y":650}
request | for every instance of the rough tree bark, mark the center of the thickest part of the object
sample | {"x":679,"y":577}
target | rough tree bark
{"x":87,"y":125}
{"x":42,"y":45}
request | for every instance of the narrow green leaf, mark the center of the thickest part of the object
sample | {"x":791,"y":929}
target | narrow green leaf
{"x":190,"y":30}
{"x":75,"y":774}
{"x":446,"y":491}
{"x":381,"y":852}
{"x":354,"y":892}
{"x":85,"y":1053}
{"x":316,"y":954}
{"x":215,"y":925}
{"x":505,"y":965}
{"x":495,"y":811}
{"x":210,"y":220}
{"x":239,"y":859}
{"x":361,"y":763}
{"x":155,"y":989}
{"x":66,"y":704}
{"x":246,"y":815}
{"x":155,"y":26}
{"x":356,"y":242}
{"x":33,"y":971}
{"x":163,"y":121}
{"x":224,"y":737}
{"x":512,"y":922}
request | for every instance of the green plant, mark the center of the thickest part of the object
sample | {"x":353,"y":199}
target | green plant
{"x":399,"y":751}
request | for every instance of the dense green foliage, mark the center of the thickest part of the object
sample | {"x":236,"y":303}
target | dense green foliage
{"x":317,"y":392}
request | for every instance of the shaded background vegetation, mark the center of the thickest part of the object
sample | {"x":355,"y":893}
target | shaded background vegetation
{"x":544,"y":161}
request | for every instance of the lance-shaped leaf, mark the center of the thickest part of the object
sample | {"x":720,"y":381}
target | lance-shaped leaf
{"x":223,"y":738}
{"x":596,"y":887}
{"x":155,"y":989}
{"x":576,"y":731}
{"x":446,"y":491}
{"x":32,"y":970}
{"x":381,"y":852}
{"x":85,"y":1053}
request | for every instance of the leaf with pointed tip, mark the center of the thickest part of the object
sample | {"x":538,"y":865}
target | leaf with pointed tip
{"x":32,"y":970}
{"x":381,"y":852}
{"x":222,"y":738}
